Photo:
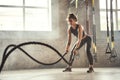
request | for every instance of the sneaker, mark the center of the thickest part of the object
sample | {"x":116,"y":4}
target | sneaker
{"x":90,"y":70}
{"x":68,"y":69}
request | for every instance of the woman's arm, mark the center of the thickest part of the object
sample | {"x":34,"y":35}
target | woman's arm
{"x":69,"y":39}
{"x":80,"y":34}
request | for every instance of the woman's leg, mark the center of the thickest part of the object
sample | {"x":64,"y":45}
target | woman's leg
{"x":83,"y":41}
{"x":89,"y":55}
{"x":88,"y":40}
{"x":70,"y":61}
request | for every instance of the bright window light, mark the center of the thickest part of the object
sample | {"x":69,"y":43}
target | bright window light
{"x":119,"y":20}
{"x":103,"y":21}
{"x":11,"y":2}
{"x":40,"y":3}
{"x":103,"y":4}
{"x":25,"y":15}
{"x":36,"y":18}
{"x":11,"y":19}
{"x":116,"y":15}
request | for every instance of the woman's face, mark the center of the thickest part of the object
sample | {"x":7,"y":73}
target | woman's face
{"x":71,"y":21}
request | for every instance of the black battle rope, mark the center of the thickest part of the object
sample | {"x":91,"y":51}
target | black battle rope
{"x":14,"y":47}
{"x":108,"y":48}
{"x":72,"y":56}
{"x":35,"y":59}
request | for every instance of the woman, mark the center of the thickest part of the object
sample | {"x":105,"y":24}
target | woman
{"x":82,"y":38}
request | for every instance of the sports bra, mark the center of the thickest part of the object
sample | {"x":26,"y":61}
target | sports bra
{"x":75,"y":31}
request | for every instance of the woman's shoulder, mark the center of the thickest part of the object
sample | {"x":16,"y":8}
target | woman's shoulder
{"x":69,"y":28}
{"x":80,"y":26}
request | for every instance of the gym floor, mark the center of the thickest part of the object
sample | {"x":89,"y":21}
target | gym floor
{"x":57,"y":74}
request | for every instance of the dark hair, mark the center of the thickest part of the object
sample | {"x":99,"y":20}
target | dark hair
{"x":71,"y":16}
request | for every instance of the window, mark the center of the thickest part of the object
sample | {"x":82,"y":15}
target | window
{"x":25,"y":15}
{"x":116,"y":15}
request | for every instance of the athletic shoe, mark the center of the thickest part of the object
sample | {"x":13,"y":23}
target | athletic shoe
{"x":90,"y":70}
{"x":68,"y":69}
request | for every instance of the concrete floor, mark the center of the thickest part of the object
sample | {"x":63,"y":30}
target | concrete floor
{"x":57,"y":74}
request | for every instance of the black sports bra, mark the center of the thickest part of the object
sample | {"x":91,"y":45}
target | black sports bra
{"x":75,"y":31}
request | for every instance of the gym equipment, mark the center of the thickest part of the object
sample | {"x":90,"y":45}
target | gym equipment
{"x":87,"y":18}
{"x":76,"y":3}
{"x":94,"y":33}
{"x":113,"y":55}
{"x":108,"y":48}
{"x":10,"y":48}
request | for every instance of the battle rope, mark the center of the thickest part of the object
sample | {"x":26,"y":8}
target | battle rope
{"x":14,"y":47}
